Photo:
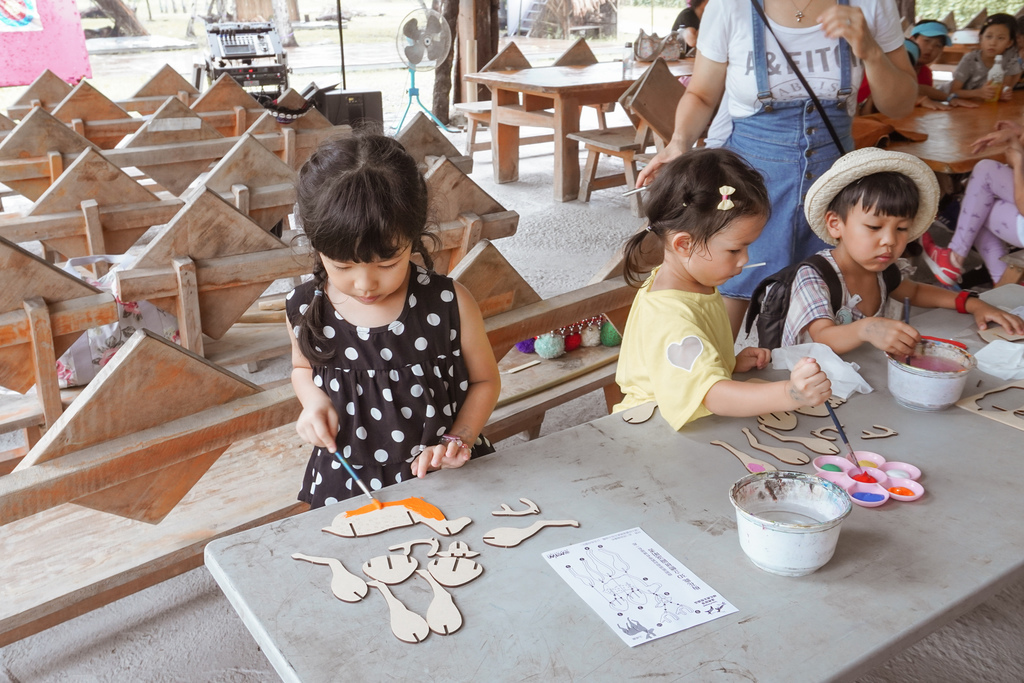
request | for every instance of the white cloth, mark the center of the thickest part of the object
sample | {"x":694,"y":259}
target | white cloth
{"x":844,"y":376}
{"x":1002,"y":359}
{"x":725,"y":37}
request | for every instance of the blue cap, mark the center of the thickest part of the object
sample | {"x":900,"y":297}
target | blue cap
{"x":932,"y":29}
{"x":913,"y":50}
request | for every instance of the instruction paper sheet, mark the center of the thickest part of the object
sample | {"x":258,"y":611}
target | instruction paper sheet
{"x":639,"y":590}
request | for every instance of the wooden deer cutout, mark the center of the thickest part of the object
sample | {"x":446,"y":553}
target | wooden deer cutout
{"x":407,"y":626}
{"x":443,"y":617}
{"x":752,"y":464}
{"x":345,"y":585}
{"x":370,"y":520}
{"x":819,"y":446}
{"x":506,"y":511}
{"x":509,"y":537}
{"x":786,"y":455}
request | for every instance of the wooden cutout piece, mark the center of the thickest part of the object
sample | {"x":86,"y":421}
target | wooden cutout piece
{"x":885,"y":433}
{"x":458,"y":549}
{"x":492,"y":280}
{"x":639,"y":414}
{"x":454,"y":571}
{"x":835,"y":401}
{"x":991,"y":334}
{"x":785,"y":421}
{"x":752,"y":464}
{"x":406,"y":548}
{"x":813,"y":411}
{"x":506,"y":511}
{"x":146,"y":366}
{"x":820,"y":432}
{"x":786,"y":455}
{"x":407,"y":626}
{"x":345,"y":585}
{"x":390,"y":569}
{"x":510,"y":537}
{"x":368,"y":520}
{"x":38,"y":135}
{"x":443,"y":617}
{"x":819,"y":446}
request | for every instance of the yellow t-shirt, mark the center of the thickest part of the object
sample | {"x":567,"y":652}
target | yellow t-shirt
{"x":675,"y":347}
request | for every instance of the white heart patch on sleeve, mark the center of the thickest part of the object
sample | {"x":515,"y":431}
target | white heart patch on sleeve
{"x":684,"y":354}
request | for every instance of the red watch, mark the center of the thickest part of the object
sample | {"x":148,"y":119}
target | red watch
{"x":961,"y":300}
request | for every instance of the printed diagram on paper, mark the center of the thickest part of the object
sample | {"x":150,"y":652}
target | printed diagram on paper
{"x":639,"y":590}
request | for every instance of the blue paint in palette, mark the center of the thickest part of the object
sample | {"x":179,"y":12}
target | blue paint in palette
{"x":868,"y":497}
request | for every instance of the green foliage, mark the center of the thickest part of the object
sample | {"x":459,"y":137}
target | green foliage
{"x":964,"y":10}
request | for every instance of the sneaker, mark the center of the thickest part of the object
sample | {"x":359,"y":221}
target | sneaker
{"x":940,"y":262}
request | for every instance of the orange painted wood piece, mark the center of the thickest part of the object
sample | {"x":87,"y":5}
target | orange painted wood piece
{"x":568,"y":88}
{"x":951,"y":133}
{"x":370,"y":520}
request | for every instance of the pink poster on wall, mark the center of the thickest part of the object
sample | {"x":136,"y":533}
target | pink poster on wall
{"x":41,"y":34}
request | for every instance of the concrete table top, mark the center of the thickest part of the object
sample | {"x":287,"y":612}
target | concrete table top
{"x":899,"y":572}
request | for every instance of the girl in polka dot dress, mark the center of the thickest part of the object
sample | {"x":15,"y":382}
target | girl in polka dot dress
{"x":390,"y":360}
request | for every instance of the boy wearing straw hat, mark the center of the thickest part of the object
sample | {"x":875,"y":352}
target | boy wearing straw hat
{"x":870,"y":204}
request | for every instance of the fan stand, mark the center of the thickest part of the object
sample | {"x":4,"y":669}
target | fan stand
{"x":414,"y":92}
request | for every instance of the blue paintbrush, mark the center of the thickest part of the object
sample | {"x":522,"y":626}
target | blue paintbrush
{"x":355,"y":477}
{"x":839,"y":428}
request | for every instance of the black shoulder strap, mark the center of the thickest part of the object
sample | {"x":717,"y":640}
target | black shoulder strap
{"x":892,"y":277}
{"x":831,"y":278}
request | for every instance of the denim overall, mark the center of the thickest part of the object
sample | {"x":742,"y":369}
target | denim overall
{"x":788,"y":143}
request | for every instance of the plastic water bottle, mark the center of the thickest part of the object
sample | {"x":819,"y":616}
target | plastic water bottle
{"x":995,"y":79}
{"x":627,"y":60}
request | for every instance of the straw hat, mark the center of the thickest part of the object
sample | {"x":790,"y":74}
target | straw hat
{"x":865,"y":162}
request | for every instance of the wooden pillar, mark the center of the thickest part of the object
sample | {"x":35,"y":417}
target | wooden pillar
{"x":478,"y":35}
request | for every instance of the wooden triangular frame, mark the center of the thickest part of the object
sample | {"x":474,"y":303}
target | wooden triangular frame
{"x":654,"y":102}
{"x":39,"y":135}
{"x":166,"y":83}
{"x":493,"y":282}
{"x":48,"y":89}
{"x":6,"y":124}
{"x":148,"y":383}
{"x":424,"y":141}
{"x":88,"y":104}
{"x":459,"y":192}
{"x":207,"y":227}
{"x":508,"y":58}
{"x":578,"y":54}
{"x":265,"y":177}
{"x":978,"y":21}
{"x":91,"y":177}
{"x":27,"y":276}
{"x":291,"y":99}
{"x":173,"y":124}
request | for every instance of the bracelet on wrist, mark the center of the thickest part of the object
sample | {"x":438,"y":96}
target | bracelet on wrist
{"x":451,"y":438}
{"x":961,"y":300}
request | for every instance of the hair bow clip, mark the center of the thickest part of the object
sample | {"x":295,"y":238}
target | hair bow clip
{"x":726,"y":203}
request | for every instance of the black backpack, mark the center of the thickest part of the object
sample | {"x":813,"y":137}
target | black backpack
{"x":769,"y":305}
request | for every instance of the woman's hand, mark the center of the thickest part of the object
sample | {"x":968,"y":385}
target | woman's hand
{"x":995,"y":138}
{"x":751,"y":358}
{"x":844,"y":21}
{"x":1011,"y":126}
{"x":648,"y":173}
{"x":444,"y":456}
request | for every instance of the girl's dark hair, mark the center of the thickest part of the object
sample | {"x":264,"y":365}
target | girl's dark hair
{"x":1002,"y":20}
{"x":360,"y":199}
{"x":684,"y":197}
{"x":885,"y":194}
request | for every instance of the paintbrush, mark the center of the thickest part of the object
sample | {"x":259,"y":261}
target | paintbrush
{"x":642,"y":188}
{"x":846,"y":442}
{"x":906,"y":309}
{"x":755,"y":265}
{"x":355,"y":477}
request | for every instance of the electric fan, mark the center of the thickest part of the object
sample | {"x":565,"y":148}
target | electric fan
{"x":423,"y":43}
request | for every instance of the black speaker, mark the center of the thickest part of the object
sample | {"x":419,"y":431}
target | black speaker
{"x":354,"y":108}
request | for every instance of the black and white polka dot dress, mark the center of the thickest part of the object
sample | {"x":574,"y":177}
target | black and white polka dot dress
{"x":395,"y":387}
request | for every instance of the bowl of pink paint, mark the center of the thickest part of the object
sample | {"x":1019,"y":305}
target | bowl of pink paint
{"x":933,"y":377}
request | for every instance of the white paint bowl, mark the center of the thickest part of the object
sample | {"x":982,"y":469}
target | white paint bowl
{"x":920,"y":389}
{"x":788,"y":522}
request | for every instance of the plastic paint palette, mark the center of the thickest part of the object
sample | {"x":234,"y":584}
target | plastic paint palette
{"x":892,"y":479}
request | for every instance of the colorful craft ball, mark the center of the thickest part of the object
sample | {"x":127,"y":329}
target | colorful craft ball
{"x":572,"y":341}
{"x":609,"y":335}
{"x":591,"y":336}
{"x":549,"y":346}
{"x":525,"y":346}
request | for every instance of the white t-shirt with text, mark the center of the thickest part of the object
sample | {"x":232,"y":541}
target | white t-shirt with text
{"x":726,"y":37}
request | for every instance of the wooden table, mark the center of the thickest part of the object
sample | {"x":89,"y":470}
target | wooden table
{"x":563,"y":90}
{"x":900,"y":571}
{"x":951,"y":133}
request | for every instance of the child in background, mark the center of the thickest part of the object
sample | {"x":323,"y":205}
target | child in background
{"x":391,"y":362}
{"x":990,"y":214}
{"x":870,"y":204}
{"x":998,"y":36}
{"x":705,"y":208}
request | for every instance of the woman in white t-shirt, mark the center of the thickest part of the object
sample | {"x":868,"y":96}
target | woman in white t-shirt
{"x":776,"y":127}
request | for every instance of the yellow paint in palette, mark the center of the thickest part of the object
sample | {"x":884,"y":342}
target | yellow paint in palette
{"x":866,"y":463}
